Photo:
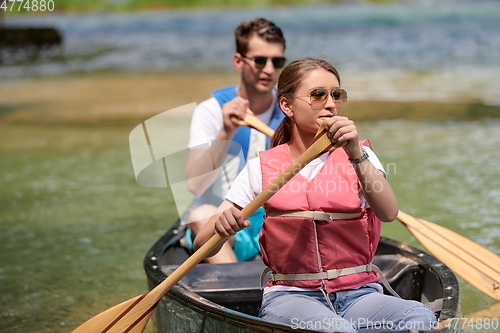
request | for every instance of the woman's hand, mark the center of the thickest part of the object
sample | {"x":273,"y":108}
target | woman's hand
{"x":226,"y":221}
{"x":377,"y":191}
{"x":230,"y":222}
{"x":342,"y":129}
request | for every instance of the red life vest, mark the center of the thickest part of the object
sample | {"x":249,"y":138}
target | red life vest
{"x":298,"y":245}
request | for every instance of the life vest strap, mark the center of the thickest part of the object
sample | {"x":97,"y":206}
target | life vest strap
{"x":315,"y":215}
{"x":332,"y":274}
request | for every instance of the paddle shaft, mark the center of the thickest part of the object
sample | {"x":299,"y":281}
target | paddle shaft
{"x":132,"y":316}
{"x":320,"y":145}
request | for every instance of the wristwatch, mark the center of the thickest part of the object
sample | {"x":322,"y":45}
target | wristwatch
{"x":360,"y":159}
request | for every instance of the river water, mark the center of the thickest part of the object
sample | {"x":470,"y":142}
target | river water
{"x":450,"y":45}
{"x":75,"y":223}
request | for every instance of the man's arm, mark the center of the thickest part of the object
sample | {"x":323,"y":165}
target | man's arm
{"x":201,"y":162}
{"x":201,"y":165}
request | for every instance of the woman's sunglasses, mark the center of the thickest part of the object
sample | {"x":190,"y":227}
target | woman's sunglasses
{"x":318,"y":97}
{"x":260,"y":62}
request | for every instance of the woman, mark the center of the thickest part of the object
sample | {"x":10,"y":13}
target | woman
{"x":323,"y":226}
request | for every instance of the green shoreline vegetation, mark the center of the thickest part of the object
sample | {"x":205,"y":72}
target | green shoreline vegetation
{"x":78,"y":6}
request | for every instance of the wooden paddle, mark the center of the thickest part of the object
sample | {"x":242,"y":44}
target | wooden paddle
{"x":252,"y":121}
{"x":474,"y":263}
{"x":133,"y":315}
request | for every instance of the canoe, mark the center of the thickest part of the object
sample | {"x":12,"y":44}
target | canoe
{"x":227,"y":297}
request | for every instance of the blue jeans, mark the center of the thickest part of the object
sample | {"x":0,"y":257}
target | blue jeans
{"x":354,"y":310}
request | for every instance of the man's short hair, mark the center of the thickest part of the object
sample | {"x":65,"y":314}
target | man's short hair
{"x":262,"y":28}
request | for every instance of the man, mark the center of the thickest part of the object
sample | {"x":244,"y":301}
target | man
{"x":260,"y":46}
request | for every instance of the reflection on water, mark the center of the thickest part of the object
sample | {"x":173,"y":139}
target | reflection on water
{"x":442,"y":168}
{"x":75,"y":224}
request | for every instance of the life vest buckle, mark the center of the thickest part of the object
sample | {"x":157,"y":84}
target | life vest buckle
{"x":321,"y":216}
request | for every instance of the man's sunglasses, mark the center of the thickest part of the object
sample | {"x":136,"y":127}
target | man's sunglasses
{"x":260,"y":62}
{"x":318,"y":97}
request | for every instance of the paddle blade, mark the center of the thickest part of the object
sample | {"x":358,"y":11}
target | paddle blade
{"x":130,"y":316}
{"x":472,"y":262}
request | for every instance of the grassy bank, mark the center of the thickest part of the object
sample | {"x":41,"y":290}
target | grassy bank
{"x":123,"y":98}
{"x":134,"y":5}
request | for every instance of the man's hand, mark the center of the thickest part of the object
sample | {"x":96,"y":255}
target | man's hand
{"x":236,"y":107}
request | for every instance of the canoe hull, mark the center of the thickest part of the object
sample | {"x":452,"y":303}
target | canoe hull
{"x":226,"y":298}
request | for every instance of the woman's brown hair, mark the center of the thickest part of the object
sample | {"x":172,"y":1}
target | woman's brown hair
{"x":288,"y":83}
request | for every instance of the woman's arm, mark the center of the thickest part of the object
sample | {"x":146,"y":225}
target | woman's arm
{"x":376,"y":189}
